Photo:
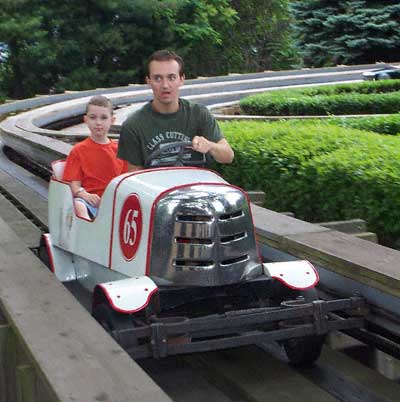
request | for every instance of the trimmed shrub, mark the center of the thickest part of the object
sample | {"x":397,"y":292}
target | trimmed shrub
{"x":360,"y":98}
{"x":350,"y":103}
{"x":321,"y":172}
{"x":362,"y":181}
{"x":389,"y":124}
{"x":365,"y":87}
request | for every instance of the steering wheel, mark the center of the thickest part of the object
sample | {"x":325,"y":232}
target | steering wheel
{"x":174,"y":154}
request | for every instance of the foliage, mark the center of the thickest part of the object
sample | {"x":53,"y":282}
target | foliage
{"x":54,"y":46}
{"x":389,"y":124}
{"x":320,"y":172}
{"x":346,"y":31}
{"x":214,"y":18}
{"x":261,"y":38}
{"x":2,"y":84}
{"x":21,"y":31}
{"x":80,"y":45}
{"x":322,"y":104}
{"x":365,"y":87}
{"x":363,"y":98}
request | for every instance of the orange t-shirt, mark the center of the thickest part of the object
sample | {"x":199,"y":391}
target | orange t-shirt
{"x":94,"y":165}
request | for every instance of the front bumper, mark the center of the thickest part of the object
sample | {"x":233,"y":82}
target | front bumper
{"x":294,"y":319}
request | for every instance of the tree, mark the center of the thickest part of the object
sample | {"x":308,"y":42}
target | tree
{"x":72,"y":44}
{"x":200,"y":28}
{"x":347,"y":32}
{"x":256,"y":37}
{"x":262,"y":36}
{"x":23,"y":35}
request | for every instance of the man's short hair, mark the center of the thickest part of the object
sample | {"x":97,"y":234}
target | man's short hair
{"x":100,"y":100}
{"x":165,"y":55}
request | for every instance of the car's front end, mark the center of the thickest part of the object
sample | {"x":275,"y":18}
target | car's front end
{"x":369,"y":75}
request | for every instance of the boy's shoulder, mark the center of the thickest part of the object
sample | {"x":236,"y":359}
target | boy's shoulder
{"x":114,"y":144}
{"x":89,"y":144}
{"x":82,"y":144}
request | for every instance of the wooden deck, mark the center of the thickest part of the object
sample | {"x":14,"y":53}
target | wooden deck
{"x":51,"y":349}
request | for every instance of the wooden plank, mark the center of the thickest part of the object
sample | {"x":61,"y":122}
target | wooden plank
{"x":350,"y":226}
{"x":371,"y":264}
{"x":3,"y":320}
{"x":253,"y":375}
{"x":349,"y":256}
{"x":26,"y":384}
{"x":10,"y":363}
{"x":24,"y":228}
{"x":272,"y":226}
{"x":71,"y":352}
{"x":44,"y":393}
{"x":31,"y":200}
{"x":4,"y":331}
{"x":366,"y":383}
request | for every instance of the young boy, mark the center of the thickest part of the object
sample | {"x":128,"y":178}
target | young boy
{"x":93,"y":162}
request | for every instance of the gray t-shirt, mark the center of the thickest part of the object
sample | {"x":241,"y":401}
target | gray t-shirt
{"x":146,"y":129}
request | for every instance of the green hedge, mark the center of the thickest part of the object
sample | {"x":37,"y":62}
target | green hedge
{"x":365,"y":87}
{"x":389,"y":124}
{"x":320,"y":172}
{"x":277,"y":104}
{"x":361,"y":98}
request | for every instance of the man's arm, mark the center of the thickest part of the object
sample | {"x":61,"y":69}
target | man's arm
{"x":221,"y":151}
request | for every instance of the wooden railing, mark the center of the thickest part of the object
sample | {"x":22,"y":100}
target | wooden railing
{"x":51,"y":349}
{"x":367,"y":263}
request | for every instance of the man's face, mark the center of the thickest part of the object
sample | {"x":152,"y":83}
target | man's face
{"x":165,"y":81}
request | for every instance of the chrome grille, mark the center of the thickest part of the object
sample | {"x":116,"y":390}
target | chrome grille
{"x":203,"y":238}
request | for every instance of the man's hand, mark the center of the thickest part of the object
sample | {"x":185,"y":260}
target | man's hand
{"x":221,"y":151}
{"x":201,"y":144}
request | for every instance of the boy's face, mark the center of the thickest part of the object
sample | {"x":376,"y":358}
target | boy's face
{"x":165,"y":81}
{"x":99,"y":120}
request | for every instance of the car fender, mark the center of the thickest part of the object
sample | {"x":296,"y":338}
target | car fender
{"x":128,"y":295}
{"x":293,"y":274}
{"x":60,"y":261}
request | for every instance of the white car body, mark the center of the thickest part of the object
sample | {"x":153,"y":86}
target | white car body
{"x":113,"y":251}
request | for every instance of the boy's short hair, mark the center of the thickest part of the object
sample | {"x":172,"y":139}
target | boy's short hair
{"x":165,"y":55}
{"x":100,"y":100}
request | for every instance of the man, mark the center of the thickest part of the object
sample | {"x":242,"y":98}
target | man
{"x":168,"y":118}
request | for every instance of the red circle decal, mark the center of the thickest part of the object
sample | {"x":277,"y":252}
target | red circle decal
{"x":130,"y":226}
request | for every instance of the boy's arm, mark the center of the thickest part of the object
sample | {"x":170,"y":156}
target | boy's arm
{"x":78,"y":191}
{"x":133,"y":168}
{"x":76,"y":188}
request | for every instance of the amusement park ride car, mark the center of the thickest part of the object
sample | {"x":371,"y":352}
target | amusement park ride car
{"x":172,"y":262}
{"x":385,"y":73}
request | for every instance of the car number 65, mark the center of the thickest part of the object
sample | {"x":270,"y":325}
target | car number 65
{"x":130,"y":226}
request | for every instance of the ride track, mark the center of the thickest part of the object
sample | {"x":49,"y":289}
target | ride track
{"x":245,"y":374}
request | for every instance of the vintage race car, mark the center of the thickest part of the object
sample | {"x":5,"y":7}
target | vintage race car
{"x":386,"y":73}
{"x":172,"y":263}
